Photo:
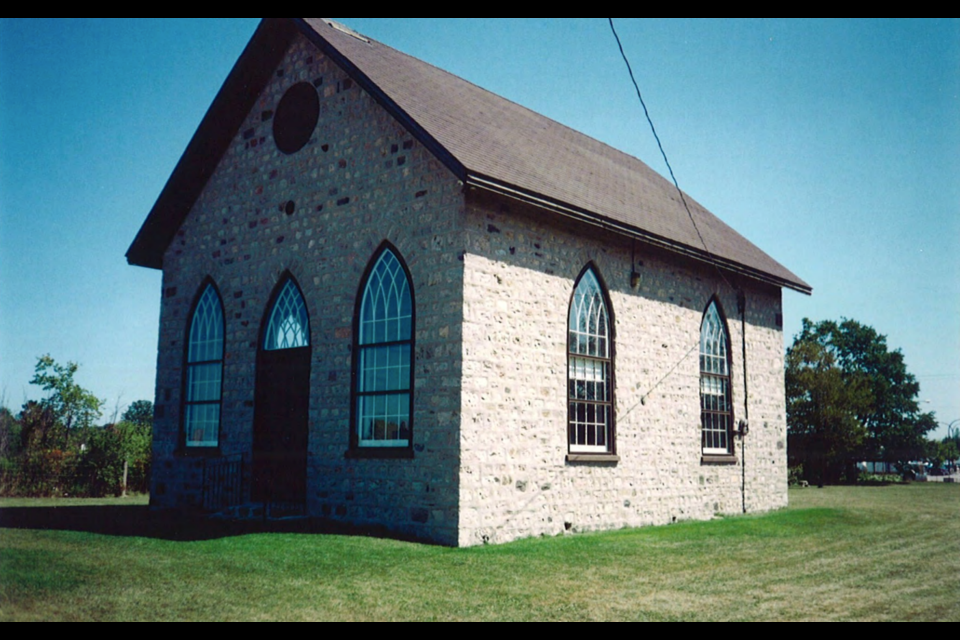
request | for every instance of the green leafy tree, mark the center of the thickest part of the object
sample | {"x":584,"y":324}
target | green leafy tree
{"x":10,"y":441}
{"x":10,"y":446}
{"x":72,"y":405}
{"x":897,"y":427}
{"x":139,"y":413}
{"x":99,"y":465}
{"x":136,"y":442}
{"x":873,"y":410}
{"x":45,"y":458}
{"x":40,"y":429}
{"x":104,"y":455}
{"x":942,"y":453}
{"x":955,"y":439}
{"x":822,"y":408}
{"x":53,"y":433}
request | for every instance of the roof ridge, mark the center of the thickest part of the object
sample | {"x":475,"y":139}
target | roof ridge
{"x":478,"y":135}
{"x":535,"y":114}
{"x":339,"y":26}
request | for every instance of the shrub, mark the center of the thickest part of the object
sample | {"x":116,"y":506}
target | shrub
{"x":879,"y":480}
{"x":796,"y":476}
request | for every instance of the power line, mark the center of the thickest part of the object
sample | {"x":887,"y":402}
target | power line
{"x":646,"y":111}
{"x":673,"y":176}
{"x":710,"y":257}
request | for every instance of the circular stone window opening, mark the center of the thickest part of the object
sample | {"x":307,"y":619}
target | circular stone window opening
{"x":296,"y":118}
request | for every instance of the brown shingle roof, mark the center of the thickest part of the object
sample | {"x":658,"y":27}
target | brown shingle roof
{"x":493,"y":143}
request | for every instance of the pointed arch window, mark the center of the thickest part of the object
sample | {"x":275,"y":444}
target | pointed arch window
{"x":204,"y":373}
{"x":383,"y":388}
{"x":715,"y":401}
{"x":590,"y":373}
{"x":289,"y":326}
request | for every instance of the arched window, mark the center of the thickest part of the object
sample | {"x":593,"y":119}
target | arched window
{"x":590,"y":369}
{"x":383,"y":388}
{"x":289,"y":327}
{"x":204,"y":373}
{"x":715,"y":401}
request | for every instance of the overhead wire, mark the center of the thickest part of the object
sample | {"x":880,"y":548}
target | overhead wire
{"x":711,"y":258}
{"x":683,"y":198}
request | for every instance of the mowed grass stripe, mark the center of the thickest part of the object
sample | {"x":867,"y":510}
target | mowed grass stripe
{"x":837,"y":554}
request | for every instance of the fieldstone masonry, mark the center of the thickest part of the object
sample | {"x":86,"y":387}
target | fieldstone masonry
{"x":520,"y":269}
{"x":492,"y":280}
{"x":360,"y":181}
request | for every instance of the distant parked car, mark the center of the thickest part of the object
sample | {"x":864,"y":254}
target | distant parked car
{"x":940,"y":473}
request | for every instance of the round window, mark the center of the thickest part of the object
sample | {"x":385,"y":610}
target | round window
{"x":296,"y":118}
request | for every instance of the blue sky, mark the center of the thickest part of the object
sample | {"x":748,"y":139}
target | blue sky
{"x":833,"y":144}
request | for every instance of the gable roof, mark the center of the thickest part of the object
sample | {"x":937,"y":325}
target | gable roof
{"x":487,"y":141}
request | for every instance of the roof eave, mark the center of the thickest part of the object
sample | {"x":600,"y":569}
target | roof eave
{"x":237,"y":97}
{"x":495,"y":186}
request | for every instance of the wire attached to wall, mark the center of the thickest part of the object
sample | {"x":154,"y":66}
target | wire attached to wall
{"x":646,"y":396}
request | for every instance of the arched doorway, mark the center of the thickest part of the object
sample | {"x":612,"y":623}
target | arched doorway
{"x":281,"y":418}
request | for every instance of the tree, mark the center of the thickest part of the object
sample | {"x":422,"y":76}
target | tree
{"x":44,"y":459}
{"x":54,"y":448}
{"x":136,"y":442}
{"x":942,"y":453}
{"x":822,"y":409}
{"x":72,"y":405}
{"x":39,"y":428}
{"x":954,"y":438}
{"x":9,"y":434}
{"x":139,"y":413}
{"x":10,"y":445}
{"x":849,"y":399}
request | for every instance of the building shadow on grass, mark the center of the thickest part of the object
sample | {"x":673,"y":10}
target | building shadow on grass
{"x":142,"y":522}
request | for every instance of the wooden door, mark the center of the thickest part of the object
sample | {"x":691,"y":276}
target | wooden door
{"x":281,"y":426}
{"x":281,"y":416}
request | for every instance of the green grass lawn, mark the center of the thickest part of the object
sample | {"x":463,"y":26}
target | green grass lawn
{"x":60,"y":503}
{"x":859,"y":554}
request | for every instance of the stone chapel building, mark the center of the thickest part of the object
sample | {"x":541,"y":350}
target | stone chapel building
{"x":392,"y":298}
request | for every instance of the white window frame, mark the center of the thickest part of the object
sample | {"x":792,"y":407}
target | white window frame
{"x":590,"y":370}
{"x":716,"y":402}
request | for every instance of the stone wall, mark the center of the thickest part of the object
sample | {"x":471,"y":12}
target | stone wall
{"x":360,"y":181}
{"x":493,"y":282}
{"x":520,"y":268}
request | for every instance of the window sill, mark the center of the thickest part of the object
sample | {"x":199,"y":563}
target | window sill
{"x":379,"y":454}
{"x":593,"y":458}
{"x":719,"y":461}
